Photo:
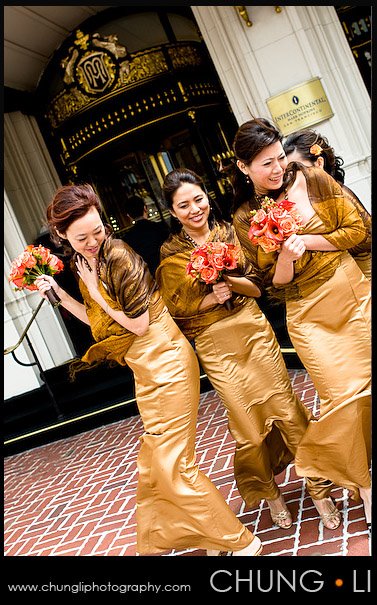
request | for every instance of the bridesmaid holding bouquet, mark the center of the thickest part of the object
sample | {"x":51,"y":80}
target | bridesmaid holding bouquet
{"x":236,"y":347}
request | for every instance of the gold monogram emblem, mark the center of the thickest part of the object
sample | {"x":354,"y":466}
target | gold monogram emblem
{"x":96,"y":72}
{"x":94,"y":62}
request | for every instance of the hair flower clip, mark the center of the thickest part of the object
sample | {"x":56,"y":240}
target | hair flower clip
{"x":316,"y":150}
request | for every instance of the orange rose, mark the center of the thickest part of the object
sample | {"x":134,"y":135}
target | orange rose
{"x":268,"y":245}
{"x":55,"y":264}
{"x":217,"y":247}
{"x":218,"y":261}
{"x":260,"y":216}
{"x":18,"y":282}
{"x":199,"y":262}
{"x":257,"y":231}
{"x":28,"y":260}
{"x":16,"y":272}
{"x":209,"y":275}
{"x":42,"y":254}
{"x":288,"y":226}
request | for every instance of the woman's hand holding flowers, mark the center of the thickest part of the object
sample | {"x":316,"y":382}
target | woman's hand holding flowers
{"x":222,"y":291}
{"x":45,"y":283}
{"x":292,"y":248}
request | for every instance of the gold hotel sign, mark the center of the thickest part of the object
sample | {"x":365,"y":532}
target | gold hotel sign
{"x":300,"y":106}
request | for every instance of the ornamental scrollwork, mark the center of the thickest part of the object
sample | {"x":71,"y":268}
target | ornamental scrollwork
{"x":97,"y":66}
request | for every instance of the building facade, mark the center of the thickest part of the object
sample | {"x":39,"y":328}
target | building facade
{"x":130,"y":93}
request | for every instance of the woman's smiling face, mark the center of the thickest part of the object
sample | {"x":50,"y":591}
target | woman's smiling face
{"x":190,"y":206}
{"x":86,"y":234}
{"x":267,"y":169}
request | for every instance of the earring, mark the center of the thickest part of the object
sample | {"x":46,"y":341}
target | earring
{"x":247,"y":179}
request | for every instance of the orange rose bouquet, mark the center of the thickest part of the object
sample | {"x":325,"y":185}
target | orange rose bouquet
{"x":210,"y":261}
{"x":273,"y":223}
{"x":30,"y":264}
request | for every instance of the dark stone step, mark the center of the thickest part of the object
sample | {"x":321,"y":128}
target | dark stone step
{"x":63,"y":408}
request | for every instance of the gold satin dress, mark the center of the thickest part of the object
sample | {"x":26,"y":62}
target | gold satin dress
{"x":330,"y":330}
{"x":177,"y":505}
{"x":362,"y":252}
{"x":242,"y":359}
{"x":364,"y":262}
{"x":328,"y":319}
{"x":240,"y":354}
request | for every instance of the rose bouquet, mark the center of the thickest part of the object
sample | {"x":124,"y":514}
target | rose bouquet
{"x":30,"y":264}
{"x":273,"y":223}
{"x":209,"y":262}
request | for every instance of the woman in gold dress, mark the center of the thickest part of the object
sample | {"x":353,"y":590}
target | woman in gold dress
{"x":177,"y":505}
{"x":313,"y":149}
{"x":327,"y":300}
{"x":236,"y":348}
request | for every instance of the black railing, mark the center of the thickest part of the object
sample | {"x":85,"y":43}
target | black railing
{"x":36,"y":362}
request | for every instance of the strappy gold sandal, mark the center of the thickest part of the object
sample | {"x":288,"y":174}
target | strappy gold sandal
{"x":254,"y":549}
{"x":366,"y":497}
{"x":283,"y":518}
{"x":332,"y":518}
{"x":216,"y":553}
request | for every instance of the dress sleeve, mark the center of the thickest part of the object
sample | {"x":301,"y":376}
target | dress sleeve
{"x":366,"y":244}
{"x":345,"y":227}
{"x":260,"y":275}
{"x":126,"y":277}
{"x":182,"y":294}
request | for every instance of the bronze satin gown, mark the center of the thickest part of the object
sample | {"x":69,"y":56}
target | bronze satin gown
{"x":333,"y":319}
{"x":240,"y":354}
{"x":177,"y":505}
{"x":328,"y":307}
{"x":242,"y":359}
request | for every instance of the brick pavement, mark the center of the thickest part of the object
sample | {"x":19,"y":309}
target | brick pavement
{"x":76,"y":496}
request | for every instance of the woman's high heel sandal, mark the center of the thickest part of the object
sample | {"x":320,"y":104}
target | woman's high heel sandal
{"x":252,"y":550}
{"x":213,"y":553}
{"x":281,"y":517}
{"x":366,"y":496}
{"x":330,"y":515}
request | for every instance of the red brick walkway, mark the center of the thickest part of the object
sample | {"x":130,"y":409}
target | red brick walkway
{"x":76,"y":496}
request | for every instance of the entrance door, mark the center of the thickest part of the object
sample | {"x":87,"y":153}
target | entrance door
{"x":138,"y":164}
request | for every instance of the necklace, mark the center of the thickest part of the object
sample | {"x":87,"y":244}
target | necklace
{"x":261,"y":198}
{"x":190,"y":239}
{"x":98,"y":266}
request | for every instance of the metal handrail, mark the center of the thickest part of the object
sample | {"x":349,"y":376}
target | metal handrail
{"x":14,"y":347}
{"x":36,"y":361}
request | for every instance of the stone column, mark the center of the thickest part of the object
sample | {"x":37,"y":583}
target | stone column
{"x":30,"y":181}
{"x":282,"y":50}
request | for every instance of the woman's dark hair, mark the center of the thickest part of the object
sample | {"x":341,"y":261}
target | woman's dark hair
{"x":173,"y":181}
{"x":302,"y":141}
{"x":70,"y":203}
{"x":251,"y":138}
